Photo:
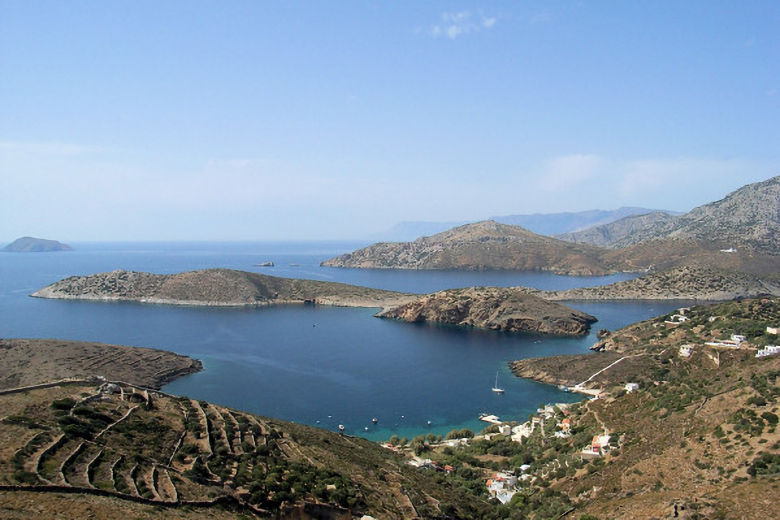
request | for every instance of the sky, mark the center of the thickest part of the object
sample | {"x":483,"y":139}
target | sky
{"x":264,"y":120}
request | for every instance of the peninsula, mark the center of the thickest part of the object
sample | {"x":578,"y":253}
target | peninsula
{"x":509,"y":310}
{"x":35,"y":245}
{"x":27,"y":362}
{"x":493,"y":308}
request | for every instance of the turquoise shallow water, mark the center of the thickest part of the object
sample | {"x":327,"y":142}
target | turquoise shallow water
{"x":317,"y":365}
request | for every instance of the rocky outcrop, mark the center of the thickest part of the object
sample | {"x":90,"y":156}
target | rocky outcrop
{"x":687,"y":282}
{"x":493,"y":308}
{"x":35,"y":245}
{"x":216,"y":287}
{"x":481,"y":246}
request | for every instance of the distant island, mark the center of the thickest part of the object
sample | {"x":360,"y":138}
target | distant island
{"x":35,"y":245}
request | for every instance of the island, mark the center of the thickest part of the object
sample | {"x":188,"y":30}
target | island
{"x":35,"y":245}
{"x":493,"y":308}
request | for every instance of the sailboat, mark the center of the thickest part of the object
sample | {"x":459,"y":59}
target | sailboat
{"x":496,"y":389}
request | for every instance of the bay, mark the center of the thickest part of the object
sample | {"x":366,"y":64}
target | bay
{"x":317,"y":365}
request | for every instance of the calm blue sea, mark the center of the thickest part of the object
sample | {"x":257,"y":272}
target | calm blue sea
{"x":322,"y":366}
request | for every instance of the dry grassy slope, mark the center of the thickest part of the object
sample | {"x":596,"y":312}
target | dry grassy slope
{"x":672,"y":451}
{"x":493,"y":308}
{"x":216,"y":287}
{"x":695,"y":427}
{"x":482,"y":245}
{"x":144,"y":447}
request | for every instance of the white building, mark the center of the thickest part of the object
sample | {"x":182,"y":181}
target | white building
{"x":631,"y":387}
{"x":676,"y":319}
{"x":686,"y":350}
{"x":769,"y":350}
{"x":773,"y":330}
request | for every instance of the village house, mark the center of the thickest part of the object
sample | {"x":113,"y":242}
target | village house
{"x":773,"y":330}
{"x":599,"y":445}
{"x":769,"y":350}
{"x":686,"y":350}
{"x":676,"y":319}
{"x":502,"y":486}
{"x":522,"y":431}
{"x":632,"y":387}
{"x":735,"y":342}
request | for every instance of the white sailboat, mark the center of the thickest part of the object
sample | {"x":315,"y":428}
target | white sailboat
{"x":496,"y":388}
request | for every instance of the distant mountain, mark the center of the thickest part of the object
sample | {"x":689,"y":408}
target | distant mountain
{"x":410,"y":230}
{"x":482,"y":245}
{"x":35,"y":245}
{"x":557,"y":223}
{"x":540,"y":223}
{"x":746,"y":218}
{"x":616,"y":234}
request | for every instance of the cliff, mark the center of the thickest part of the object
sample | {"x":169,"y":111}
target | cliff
{"x":495,"y":309}
{"x":216,"y":287}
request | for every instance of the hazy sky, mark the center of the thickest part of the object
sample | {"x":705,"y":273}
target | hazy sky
{"x":299,"y":120}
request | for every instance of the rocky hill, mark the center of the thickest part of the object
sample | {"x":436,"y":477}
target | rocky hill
{"x":618,"y":233}
{"x":685,"y":282}
{"x":483,"y":245}
{"x":746,"y":218}
{"x":216,"y":287}
{"x":35,"y":245}
{"x":495,"y":309}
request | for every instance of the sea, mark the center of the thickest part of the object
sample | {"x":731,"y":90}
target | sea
{"x":319,"y":365}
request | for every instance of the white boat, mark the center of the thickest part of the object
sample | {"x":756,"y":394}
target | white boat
{"x":496,"y":389}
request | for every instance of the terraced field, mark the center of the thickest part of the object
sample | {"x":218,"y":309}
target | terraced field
{"x":134,"y":444}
